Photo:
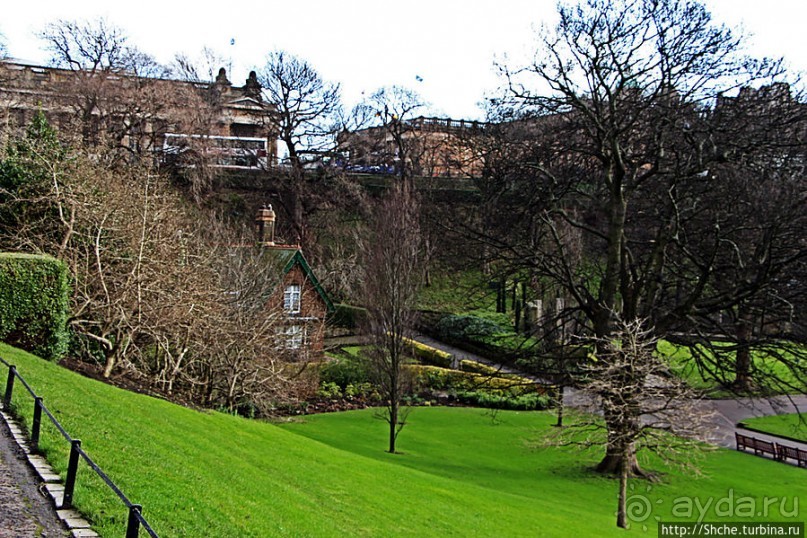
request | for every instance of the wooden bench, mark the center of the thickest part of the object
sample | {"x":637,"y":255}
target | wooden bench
{"x":790,"y":452}
{"x":759,"y":446}
{"x":744,"y":441}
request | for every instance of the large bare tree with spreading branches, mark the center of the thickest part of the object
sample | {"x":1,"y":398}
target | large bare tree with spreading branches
{"x":306,"y":108}
{"x":604,"y":183}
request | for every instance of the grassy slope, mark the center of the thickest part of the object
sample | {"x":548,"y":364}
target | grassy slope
{"x":467,"y":445}
{"x":790,"y":425}
{"x":209,"y":474}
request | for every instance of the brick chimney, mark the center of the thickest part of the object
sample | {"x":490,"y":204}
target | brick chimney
{"x":266,"y":226}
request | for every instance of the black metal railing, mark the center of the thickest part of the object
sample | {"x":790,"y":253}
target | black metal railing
{"x":136,"y":521}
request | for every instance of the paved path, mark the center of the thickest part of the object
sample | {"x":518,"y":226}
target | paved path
{"x":726,"y":413}
{"x":462,"y":355}
{"x":24,"y":511}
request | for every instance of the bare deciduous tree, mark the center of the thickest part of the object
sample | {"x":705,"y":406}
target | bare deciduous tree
{"x":114,"y":88}
{"x":393,"y":274}
{"x":389,"y":135}
{"x":159,"y":291}
{"x":613,"y":134}
{"x":200,"y":68}
{"x":306,"y":107}
{"x":636,"y":404}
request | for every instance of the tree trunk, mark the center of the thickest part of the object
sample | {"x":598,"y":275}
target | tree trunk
{"x":611,"y":463}
{"x":621,"y":513}
{"x":742,"y":365}
{"x":393,"y":423}
{"x":559,"y":423}
{"x":111,"y":361}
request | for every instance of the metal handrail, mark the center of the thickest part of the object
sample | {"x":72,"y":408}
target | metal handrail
{"x":136,"y":519}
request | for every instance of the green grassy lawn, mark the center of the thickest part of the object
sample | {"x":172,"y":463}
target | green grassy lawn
{"x":457,"y":292}
{"x":461,"y":472}
{"x":792,"y":425}
{"x":684,"y":365}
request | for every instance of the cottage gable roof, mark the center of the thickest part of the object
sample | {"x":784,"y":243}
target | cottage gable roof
{"x":288,"y":258}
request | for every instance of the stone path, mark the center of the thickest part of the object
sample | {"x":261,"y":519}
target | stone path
{"x":25,"y":512}
{"x":31,"y":492}
{"x":727,"y":413}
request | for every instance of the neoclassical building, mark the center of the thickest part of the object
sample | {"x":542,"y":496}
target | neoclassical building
{"x":143,"y":114}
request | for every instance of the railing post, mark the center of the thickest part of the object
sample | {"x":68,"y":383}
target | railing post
{"x":72,"y":469}
{"x":12,"y":372}
{"x":133,"y":527}
{"x":36,"y":424}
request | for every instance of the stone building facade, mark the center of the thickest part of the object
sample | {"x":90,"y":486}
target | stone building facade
{"x":144,"y":115}
{"x":435,"y":147}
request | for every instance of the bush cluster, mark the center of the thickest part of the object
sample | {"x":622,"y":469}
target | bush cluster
{"x":34,"y":304}
{"x":467,"y":327}
{"x":344,"y":371}
{"x":331,"y":391}
{"x":503,"y":400}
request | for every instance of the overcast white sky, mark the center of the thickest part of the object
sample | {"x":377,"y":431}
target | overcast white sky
{"x":444,"y":49}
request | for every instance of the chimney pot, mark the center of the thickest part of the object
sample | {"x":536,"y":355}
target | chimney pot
{"x":266,"y":226}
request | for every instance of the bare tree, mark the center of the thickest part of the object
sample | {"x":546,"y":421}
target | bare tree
{"x":200,"y":68}
{"x":114,"y":88}
{"x":644,"y":406}
{"x":381,"y":127}
{"x":160,"y":290}
{"x":306,"y":107}
{"x":612,"y":134}
{"x":393,"y":274}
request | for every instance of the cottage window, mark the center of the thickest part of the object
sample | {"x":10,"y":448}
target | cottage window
{"x":295,"y":336}
{"x":291,"y":299}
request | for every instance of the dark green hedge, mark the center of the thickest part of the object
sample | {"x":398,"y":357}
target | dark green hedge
{"x":34,"y":304}
{"x":347,"y":316}
{"x":467,"y":327}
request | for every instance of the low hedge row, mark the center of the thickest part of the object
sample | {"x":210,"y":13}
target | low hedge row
{"x":502,"y":400}
{"x":434,"y":378}
{"x":430,"y":355}
{"x":34,"y":304}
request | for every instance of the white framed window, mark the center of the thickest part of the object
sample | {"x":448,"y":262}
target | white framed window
{"x":291,"y":299}
{"x":295,"y":337}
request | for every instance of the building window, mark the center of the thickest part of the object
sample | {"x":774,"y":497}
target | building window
{"x":291,"y":299}
{"x":295,"y":336}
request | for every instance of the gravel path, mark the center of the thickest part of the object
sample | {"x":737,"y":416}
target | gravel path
{"x":24,"y":511}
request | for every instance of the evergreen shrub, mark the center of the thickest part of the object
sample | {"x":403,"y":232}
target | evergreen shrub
{"x":467,"y":327}
{"x":34,"y":304}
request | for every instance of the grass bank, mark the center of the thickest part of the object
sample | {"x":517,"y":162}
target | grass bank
{"x":464,"y":472}
{"x":793,"y":425}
